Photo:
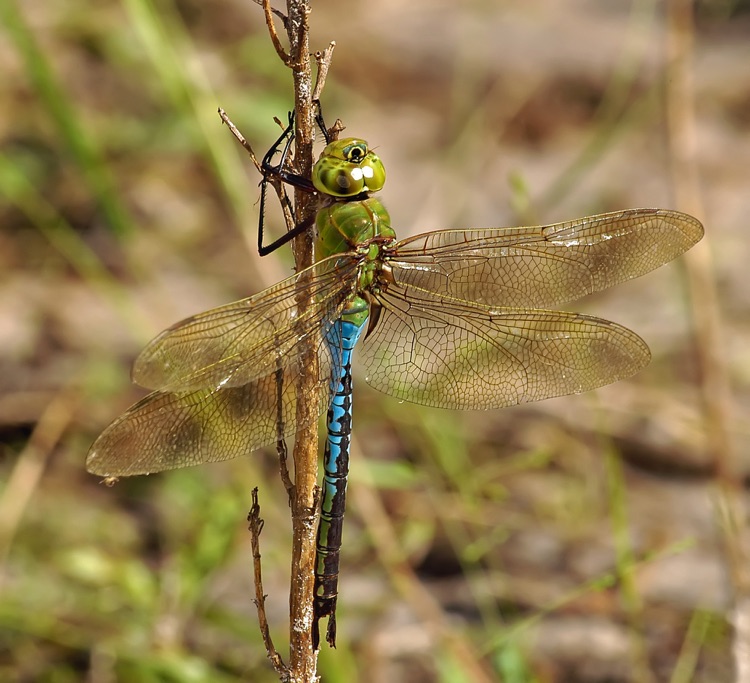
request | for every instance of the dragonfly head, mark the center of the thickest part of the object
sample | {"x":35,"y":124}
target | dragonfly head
{"x":348,"y":168}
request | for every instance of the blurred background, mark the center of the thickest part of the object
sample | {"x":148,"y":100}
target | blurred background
{"x":578,"y":539}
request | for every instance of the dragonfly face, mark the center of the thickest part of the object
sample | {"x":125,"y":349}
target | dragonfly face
{"x":348,"y":168}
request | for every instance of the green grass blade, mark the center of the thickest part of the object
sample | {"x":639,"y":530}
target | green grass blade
{"x":56,"y":101}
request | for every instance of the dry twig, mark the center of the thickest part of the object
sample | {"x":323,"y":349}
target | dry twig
{"x":255,"y":528}
{"x":304,"y":492}
{"x":275,"y":36}
{"x":303,"y":658}
{"x":323,"y":60}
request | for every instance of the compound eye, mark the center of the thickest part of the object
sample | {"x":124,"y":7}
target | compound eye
{"x":356,"y":153}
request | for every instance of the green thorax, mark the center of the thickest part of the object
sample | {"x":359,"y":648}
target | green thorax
{"x":343,"y":226}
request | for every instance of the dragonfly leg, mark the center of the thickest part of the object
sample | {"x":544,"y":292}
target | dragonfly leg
{"x":329,"y":134}
{"x":281,"y":173}
{"x":280,"y":170}
{"x":321,"y":122}
{"x":295,"y":230}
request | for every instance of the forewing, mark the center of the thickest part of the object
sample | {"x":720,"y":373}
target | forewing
{"x":446,"y":353}
{"x":543,"y":266}
{"x":167,"y":430}
{"x":234,"y":345}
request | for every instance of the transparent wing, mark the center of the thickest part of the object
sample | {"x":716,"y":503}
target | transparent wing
{"x":235,"y":344}
{"x":167,"y":430}
{"x":545,"y":265}
{"x":228,"y":379}
{"x":453,"y":354}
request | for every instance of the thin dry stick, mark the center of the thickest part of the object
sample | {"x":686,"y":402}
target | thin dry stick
{"x":323,"y":60}
{"x":280,"y":15}
{"x":302,"y":658}
{"x":256,"y":527}
{"x":272,"y":32}
{"x":715,"y":385}
{"x":304,"y":492}
{"x":240,"y":138}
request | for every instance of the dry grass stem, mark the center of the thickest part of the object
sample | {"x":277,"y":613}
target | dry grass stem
{"x":30,"y":466}
{"x":707,"y":322}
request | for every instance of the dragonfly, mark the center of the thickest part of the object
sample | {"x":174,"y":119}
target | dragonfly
{"x":460,"y":319}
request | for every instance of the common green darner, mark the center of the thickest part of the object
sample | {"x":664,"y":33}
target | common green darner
{"x":452,"y":319}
